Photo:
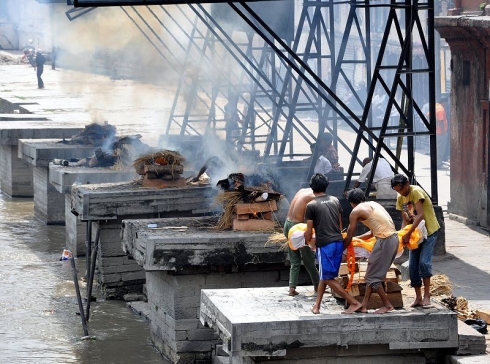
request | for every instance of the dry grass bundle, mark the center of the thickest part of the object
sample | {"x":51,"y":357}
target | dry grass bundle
{"x":278,"y":239}
{"x":440,"y":285}
{"x":228,"y":200}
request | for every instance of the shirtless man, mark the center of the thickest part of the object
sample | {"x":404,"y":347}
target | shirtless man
{"x":296,"y":215}
{"x":324,"y":215}
{"x":381,"y":226}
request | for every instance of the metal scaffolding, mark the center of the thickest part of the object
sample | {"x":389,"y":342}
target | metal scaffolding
{"x":363,"y":66}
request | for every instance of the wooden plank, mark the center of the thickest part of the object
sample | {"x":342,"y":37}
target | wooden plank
{"x":343,"y":270}
{"x":166,"y":169}
{"x":250,"y":208}
{"x":243,"y":216}
{"x":160,"y":183}
{"x":267,"y":215}
{"x":253,"y":225}
{"x":395,"y":298}
{"x":484,"y":315}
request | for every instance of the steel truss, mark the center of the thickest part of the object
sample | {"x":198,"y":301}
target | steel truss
{"x":288,"y":82}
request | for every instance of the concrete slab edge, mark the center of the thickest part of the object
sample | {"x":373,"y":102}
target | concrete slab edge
{"x":462,"y":219}
{"x":470,"y":359}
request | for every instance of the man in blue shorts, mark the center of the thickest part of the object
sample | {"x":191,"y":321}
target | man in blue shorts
{"x":324,"y":214}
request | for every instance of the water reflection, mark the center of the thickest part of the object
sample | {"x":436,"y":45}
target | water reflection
{"x":38,"y":306}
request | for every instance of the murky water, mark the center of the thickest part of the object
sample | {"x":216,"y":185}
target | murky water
{"x":38,"y":305}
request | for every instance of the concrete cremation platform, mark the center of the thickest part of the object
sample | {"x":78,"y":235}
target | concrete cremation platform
{"x":17,"y":174}
{"x":265,"y":324}
{"x":49,"y":204}
{"x":63,"y":178}
{"x":181,"y":256}
{"x":106,"y":205}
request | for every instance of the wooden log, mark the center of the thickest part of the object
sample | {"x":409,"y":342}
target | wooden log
{"x":343,"y":270}
{"x":484,"y":315}
{"x":267,"y":215}
{"x":160,"y":183}
{"x":395,"y":298}
{"x":253,"y":225}
{"x":167,"y":177}
{"x":250,"y":208}
{"x":166,"y":169}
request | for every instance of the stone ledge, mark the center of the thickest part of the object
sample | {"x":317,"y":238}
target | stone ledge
{"x":472,"y":359}
{"x":462,"y":219}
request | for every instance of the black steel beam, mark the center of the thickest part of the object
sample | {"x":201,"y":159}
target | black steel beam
{"x":89,"y":3}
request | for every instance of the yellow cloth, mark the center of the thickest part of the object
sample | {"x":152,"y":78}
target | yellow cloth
{"x":417,"y":194}
{"x":296,"y":236}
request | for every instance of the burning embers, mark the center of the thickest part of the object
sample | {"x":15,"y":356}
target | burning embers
{"x":161,"y":169}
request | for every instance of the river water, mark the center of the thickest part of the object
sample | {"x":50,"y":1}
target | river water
{"x":39,"y":321}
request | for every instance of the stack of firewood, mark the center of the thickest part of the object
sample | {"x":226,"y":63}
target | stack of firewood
{"x":255,"y":216}
{"x":358,"y":285}
{"x":161,"y":169}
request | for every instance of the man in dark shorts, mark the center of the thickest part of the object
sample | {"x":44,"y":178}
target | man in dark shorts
{"x":381,"y":226}
{"x":324,"y":214}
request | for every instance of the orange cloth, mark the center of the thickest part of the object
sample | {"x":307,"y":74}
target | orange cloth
{"x":369,"y":243}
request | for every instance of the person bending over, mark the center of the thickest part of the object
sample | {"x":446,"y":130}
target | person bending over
{"x":324,"y":214}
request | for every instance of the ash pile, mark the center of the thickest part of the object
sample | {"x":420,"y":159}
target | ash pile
{"x":117,"y":152}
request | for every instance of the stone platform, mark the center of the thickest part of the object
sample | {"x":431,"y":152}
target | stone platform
{"x":265,"y":324}
{"x":49,"y":204}
{"x":181,"y":256}
{"x":63,"y":178}
{"x":106,"y":205}
{"x":17,"y":174}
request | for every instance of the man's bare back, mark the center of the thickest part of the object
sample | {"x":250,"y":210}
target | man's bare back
{"x":297,"y":206}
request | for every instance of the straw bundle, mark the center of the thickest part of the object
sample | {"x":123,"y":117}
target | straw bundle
{"x":278,"y":239}
{"x":440,"y":285}
{"x":163,"y":157}
{"x":228,"y":200}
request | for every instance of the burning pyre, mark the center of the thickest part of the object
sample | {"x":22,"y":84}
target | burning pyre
{"x":248,"y":203}
{"x":113,"y":151}
{"x":164,"y":164}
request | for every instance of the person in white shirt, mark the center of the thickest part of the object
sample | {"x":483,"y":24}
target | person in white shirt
{"x":322,"y":165}
{"x":381,"y":179}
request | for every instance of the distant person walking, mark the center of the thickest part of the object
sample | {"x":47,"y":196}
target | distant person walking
{"x":39,"y":67}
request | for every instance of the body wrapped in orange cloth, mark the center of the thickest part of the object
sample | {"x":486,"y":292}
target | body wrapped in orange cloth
{"x":362,"y":248}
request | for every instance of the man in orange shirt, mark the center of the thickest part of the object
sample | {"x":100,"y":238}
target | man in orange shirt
{"x":442,"y":130}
